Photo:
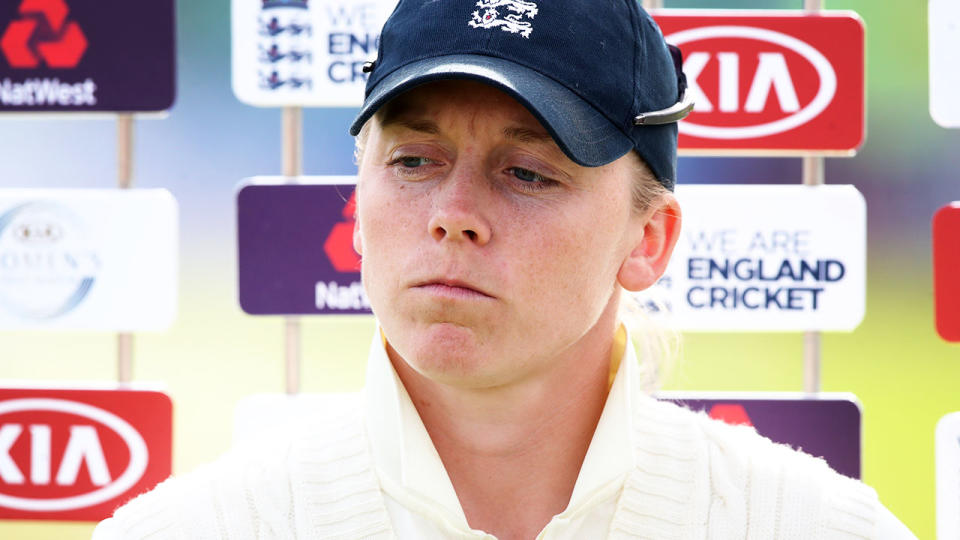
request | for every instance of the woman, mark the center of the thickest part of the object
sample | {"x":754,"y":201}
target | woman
{"x":516,"y":162}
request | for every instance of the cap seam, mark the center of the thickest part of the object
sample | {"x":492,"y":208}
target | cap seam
{"x":637,"y":70}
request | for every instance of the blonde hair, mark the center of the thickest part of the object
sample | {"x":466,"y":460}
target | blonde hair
{"x":657,"y":343}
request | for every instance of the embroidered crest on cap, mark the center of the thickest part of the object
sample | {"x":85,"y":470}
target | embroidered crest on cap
{"x":511,"y":22}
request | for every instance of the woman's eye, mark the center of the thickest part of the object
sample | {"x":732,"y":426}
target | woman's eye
{"x":412,"y":162}
{"x":527,"y":175}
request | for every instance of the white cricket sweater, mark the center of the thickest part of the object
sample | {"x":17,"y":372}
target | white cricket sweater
{"x":684,"y":476}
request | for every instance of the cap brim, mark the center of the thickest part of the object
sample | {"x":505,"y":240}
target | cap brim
{"x":584,"y":134}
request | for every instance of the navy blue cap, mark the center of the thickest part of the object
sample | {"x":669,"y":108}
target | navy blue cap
{"x":596,"y":73}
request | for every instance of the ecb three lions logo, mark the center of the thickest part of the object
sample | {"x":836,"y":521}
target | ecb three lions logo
{"x":489,"y":16}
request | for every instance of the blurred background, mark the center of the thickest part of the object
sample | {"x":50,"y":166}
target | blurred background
{"x":904,"y":375}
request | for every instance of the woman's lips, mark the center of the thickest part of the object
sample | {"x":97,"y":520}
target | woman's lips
{"x":452,"y":289}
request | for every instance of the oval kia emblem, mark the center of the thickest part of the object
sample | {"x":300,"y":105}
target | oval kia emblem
{"x":751,"y":93}
{"x":110,"y":488}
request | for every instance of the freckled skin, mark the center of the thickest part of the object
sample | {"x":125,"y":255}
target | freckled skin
{"x":545,"y":259}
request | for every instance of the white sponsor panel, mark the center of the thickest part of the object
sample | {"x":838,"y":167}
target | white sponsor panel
{"x":88,"y":259}
{"x":948,"y":476}
{"x":304,"y":52}
{"x":944,"y":30}
{"x":765,"y":258}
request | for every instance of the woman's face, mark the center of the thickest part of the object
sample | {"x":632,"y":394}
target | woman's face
{"x":486,"y":251}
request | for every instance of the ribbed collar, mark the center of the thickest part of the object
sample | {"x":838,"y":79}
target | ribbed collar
{"x":407,"y":461}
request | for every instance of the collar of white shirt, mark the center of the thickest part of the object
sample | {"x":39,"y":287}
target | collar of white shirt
{"x":410,"y":468}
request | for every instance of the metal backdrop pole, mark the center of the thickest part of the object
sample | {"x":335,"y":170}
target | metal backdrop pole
{"x":292,"y":148}
{"x":813,"y":175}
{"x":124,"y":181}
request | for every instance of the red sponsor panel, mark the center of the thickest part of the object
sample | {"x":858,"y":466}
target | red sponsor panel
{"x":69,"y":454}
{"x":946,"y":271}
{"x":785,"y":83}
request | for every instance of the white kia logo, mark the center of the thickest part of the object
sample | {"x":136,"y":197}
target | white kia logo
{"x":84,"y":445}
{"x":772,"y":75}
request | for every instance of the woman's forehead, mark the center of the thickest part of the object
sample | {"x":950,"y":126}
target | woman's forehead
{"x":459,"y":99}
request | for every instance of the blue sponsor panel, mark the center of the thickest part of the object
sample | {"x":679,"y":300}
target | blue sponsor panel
{"x":295,"y":251}
{"x":83,"y":56}
{"x":827,"y":426}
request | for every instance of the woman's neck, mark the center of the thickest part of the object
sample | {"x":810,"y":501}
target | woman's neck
{"x":519,"y":446}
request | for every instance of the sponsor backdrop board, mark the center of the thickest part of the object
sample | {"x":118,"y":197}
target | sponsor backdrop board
{"x":76,"y":454}
{"x":770,"y":83}
{"x":943,"y":17}
{"x":295,"y":247}
{"x":79,"y":55}
{"x":948,"y":476}
{"x":304,"y":52}
{"x":95,"y":259}
{"x":946,"y":271}
{"x":766,"y":258}
{"x":826,"y":426}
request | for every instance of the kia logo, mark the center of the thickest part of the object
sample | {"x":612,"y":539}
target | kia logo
{"x":773,"y":77}
{"x":83,"y":447}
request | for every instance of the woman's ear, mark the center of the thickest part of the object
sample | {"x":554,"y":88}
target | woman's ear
{"x":651,"y":252}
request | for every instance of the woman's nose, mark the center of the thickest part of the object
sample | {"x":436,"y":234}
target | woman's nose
{"x":459,"y":208}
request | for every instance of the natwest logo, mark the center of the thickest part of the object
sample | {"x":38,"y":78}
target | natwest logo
{"x":731,"y":413}
{"x":339,"y":244}
{"x":43,"y":33}
{"x":85,"y":56}
{"x":333,"y":294}
{"x":63,"y":457}
{"x":783,"y":83}
{"x":295,"y":251}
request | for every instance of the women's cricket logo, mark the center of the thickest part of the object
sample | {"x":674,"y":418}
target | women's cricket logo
{"x":490,"y":18}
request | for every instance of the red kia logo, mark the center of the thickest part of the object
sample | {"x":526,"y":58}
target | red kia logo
{"x":76,"y":454}
{"x":782,"y":83}
{"x":54,"y":455}
{"x":43,"y":33}
{"x":339,"y":243}
{"x":750,"y":89}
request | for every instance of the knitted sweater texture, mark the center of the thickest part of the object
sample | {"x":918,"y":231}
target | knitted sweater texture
{"x":695,"y":478}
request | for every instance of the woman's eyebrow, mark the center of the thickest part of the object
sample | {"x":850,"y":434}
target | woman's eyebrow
{"x":399,"y":118}
{"x":421,"y":126}
{"x":527,"y":135}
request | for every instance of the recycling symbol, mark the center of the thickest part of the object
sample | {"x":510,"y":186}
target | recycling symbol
{"x":339,"y":244}
{"x":43,"y":33}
